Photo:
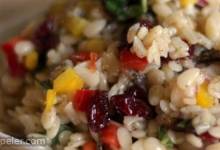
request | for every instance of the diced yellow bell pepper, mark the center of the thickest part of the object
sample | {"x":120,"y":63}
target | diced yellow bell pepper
{"x":68,"y":82}
{"x":50,"y":99}
{"x":204,"y":99}
{"x":96,"y":45}
{"x":186,"y":3}
{"x":31,"y":60}
{"x":76,"y":25}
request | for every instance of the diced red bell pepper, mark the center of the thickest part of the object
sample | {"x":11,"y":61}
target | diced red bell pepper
{"x":90,"y":145}
{"x":131,"y":61}
{"x":82,"y":99}
{"x":80,"y":56}
{"x":206,"y":137}
{"x":15,"y":67}
{"x":108,"y":136}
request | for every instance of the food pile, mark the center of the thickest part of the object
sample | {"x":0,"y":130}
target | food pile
{"x":116,"y":75}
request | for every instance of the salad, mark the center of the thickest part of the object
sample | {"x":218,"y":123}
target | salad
{"x":116,"y":75}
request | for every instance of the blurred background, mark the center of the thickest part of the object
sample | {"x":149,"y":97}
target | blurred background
{"x":14,"y":14}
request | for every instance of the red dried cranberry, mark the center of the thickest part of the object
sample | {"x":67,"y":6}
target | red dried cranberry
{"x":191,"y":51}
{"x":98,"y":111}
{"x":207,"y":138}
{"x":201,"y":3}
{"x":46,"y":37}
{"x":136,"y":91}
{"x":147,"y":23}
{"x":130,"y":106}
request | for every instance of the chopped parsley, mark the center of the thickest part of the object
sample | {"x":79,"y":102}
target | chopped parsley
{"x":164,"y":138}
{"x":126,"y":9}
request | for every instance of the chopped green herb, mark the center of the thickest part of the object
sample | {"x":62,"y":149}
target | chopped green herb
{"x":183,"y":124}
{"x":126,"y":9}
{"x":164,"y":138}
{"x":144,"y":5}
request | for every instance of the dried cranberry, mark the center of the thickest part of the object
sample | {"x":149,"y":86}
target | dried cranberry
{"x":130,"y":106}
{"x":147,"y":23}
{"x":191,"y":51}
{"x":46,"y":37}
{"x":207,"y":138}
{"x":136,"y":91}
{"x":201,"y":3}
{"x":98,"y":111}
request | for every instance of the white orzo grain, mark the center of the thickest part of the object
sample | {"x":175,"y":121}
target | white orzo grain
{"x":71,"y":114}
{"x":215,"y":109}
{"x":211,"y":27}
{"x":138,"y":134}
{"x":189,"y":101}
{"x":194,"y":110}
{"x":194,"y":140}
{"x":52,"y":132}
{"x":164,"y":106}
{"x":138,"y":48}
{"x":77,"y":140}
{"x":155,"y":94}
{"x":176,"y":97}
{"x":53,"y":57}
{"x":188,"y":78}
{"x":201,"y":128}
{"x":175,"y":66}
{"x":48,"y":118}
{"x":203,"y":121}
{"x":215,"y":146}
{"x":138,"y":145}
{"x":162,"y":10}
{"x":94,"y":28}
{"x":181,"y":48}
{"x":133,"y":123}
{"x":124,"y":138}
{"x":214,"y":87}
{"x":152,"y":143}
{"x":119,"y":87}
{"x":86,"y":74}
{"x":156,"y":76}
{"x":132,"y":32}
{"x":142,"y":32}
{"x":22,"y":48}
{"x":169,"y":74}
{"x":215,"y":131}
